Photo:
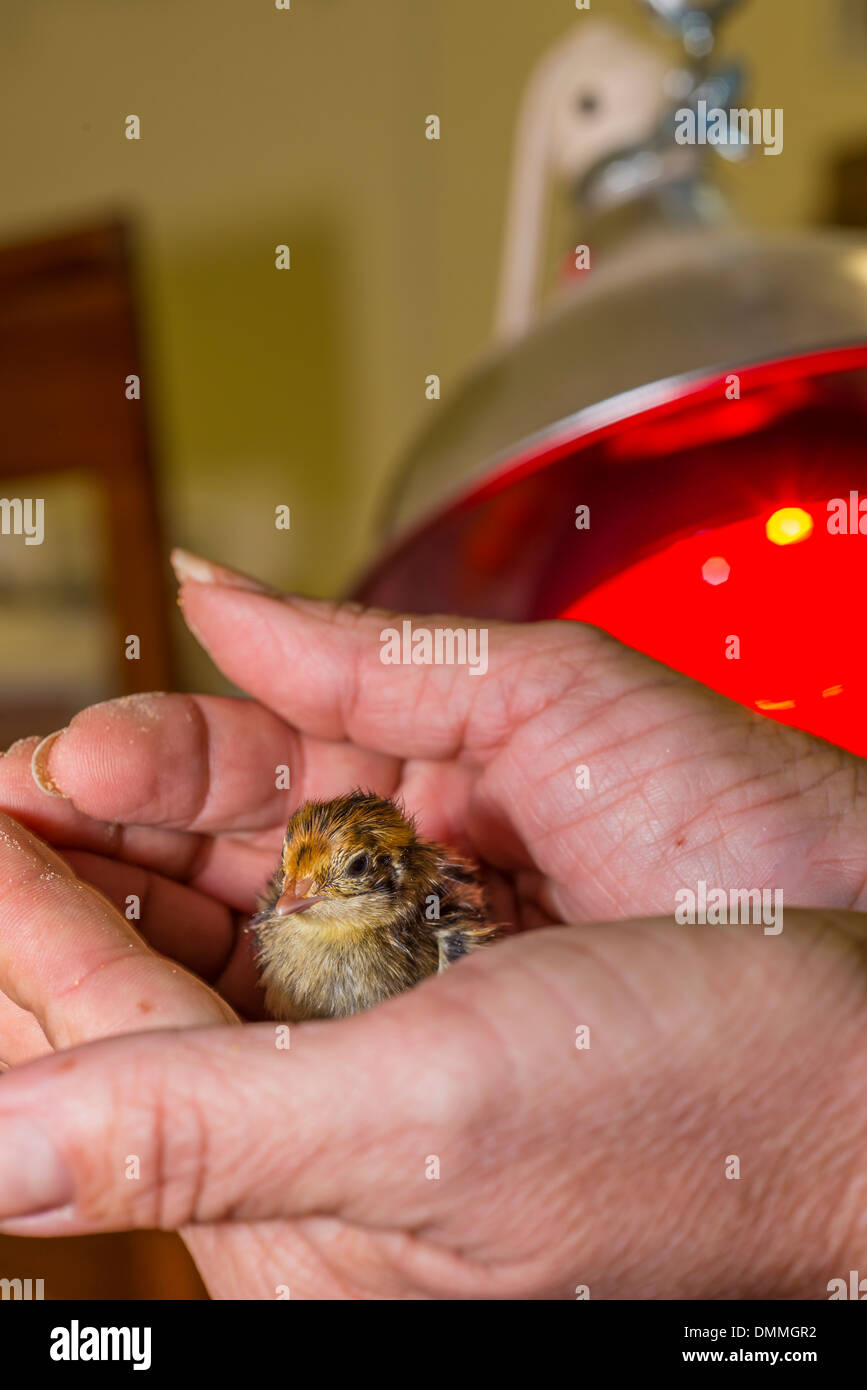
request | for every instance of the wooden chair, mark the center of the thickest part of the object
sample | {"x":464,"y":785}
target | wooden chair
{"x":68,"y":342}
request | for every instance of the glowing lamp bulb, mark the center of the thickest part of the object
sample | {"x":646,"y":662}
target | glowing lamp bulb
{"x":788,"y":525}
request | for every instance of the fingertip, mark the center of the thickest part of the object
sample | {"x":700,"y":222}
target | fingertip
{"x":190,"y":568}
{"x":101,"y":759}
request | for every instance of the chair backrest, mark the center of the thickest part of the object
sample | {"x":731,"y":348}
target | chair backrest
{"x":68,"y":346}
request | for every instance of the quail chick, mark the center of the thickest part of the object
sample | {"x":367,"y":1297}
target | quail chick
{"x":360,"y":909}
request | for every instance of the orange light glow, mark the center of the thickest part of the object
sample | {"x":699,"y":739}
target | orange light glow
{"x":788,"y":525}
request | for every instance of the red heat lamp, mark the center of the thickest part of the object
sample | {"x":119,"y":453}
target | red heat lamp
{"x":727,"y":537}
{"x":698,"y":397}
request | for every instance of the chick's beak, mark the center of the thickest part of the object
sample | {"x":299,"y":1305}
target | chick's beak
{"x":295,"y":897}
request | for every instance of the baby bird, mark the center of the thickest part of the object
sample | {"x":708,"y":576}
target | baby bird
{"x":360,"y":908}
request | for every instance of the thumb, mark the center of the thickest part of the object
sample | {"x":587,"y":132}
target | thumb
{"x":167,"y":1128}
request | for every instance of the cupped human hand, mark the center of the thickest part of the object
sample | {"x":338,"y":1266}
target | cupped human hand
{"x":593,"y":782}
{"x":176,"y":800}
{"x":627,"y":1110}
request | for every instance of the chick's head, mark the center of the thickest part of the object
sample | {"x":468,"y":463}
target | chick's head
{"x":358,"y":855}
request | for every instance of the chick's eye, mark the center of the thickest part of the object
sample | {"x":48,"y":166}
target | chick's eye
{"x":358,"y":866}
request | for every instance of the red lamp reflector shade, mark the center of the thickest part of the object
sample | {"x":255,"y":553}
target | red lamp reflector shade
{"x":695,"y":529}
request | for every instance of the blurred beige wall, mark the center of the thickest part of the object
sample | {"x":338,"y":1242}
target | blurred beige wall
{"x":306,"y":127}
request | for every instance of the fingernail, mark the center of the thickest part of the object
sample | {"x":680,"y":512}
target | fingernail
{"x":33,"y":1177}
{"x":194,"y":567}
{"x":39,"y":765}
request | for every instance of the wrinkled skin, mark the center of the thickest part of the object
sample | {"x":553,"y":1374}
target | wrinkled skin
{"x":312,"y":1168}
